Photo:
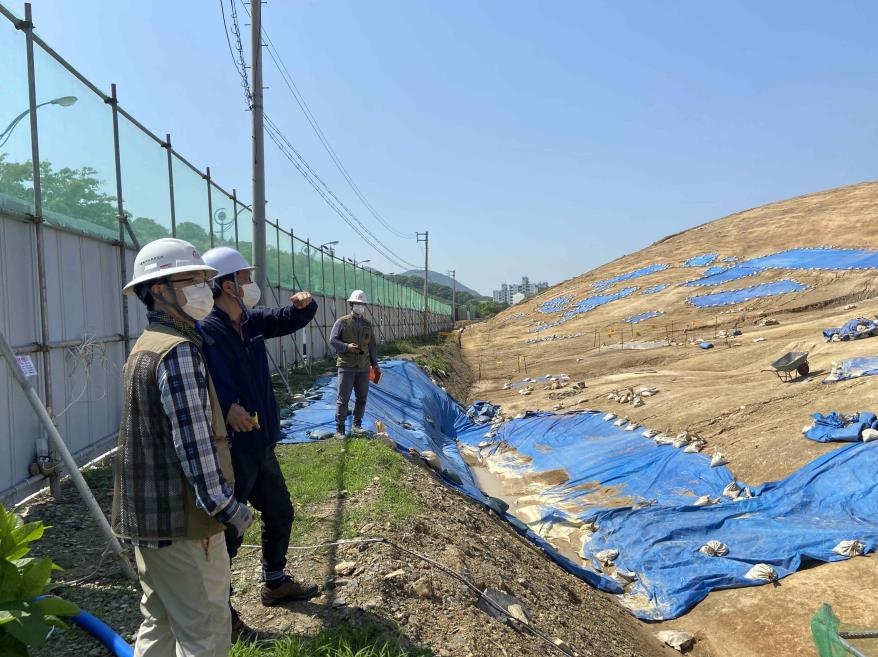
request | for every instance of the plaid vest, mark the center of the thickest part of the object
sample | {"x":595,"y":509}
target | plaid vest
{"x":152,"y":499}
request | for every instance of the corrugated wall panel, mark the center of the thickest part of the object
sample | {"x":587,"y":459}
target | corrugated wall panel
{"x":20,"y":324}
{"x":84,"y":300}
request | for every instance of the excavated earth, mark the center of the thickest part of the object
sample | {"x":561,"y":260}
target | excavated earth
{"x":729,"y":394}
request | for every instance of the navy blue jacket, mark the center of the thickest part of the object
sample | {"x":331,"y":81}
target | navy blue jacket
{"x":238,"y":365}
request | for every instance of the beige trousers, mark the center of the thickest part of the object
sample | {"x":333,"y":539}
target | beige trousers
{"x":185,"y":601}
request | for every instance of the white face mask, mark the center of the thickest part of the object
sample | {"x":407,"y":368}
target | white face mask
{"x":250,"y":294}
{"x":199,"y":301}
{"x":358,"y":309}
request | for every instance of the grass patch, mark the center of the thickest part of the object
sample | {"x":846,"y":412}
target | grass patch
{"x":434,"y":362}
{"x":341,"y":641}
{"x":316,"y":473}
{"x":410,"y":345}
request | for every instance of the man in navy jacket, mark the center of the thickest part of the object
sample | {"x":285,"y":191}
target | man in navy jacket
{"x":234,"y":344}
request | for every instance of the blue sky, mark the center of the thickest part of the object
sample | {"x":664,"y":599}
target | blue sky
{"x":539,"y":139}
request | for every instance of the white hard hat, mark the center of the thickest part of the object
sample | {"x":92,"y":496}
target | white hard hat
{"x":358,"y":296}
{"x":225,"y":260}
{"x":165,"y":257}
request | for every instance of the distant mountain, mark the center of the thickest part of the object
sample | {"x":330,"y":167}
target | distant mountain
{"x":442,"y":279}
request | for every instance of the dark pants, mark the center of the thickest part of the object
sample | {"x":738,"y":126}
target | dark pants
{"x":358,"y":382}
{"x":259,"y":481}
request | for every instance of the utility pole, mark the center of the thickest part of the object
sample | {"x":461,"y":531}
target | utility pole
{"x":259,"y":258}
{"x":453,"y":296}
{"x":426,"y":242}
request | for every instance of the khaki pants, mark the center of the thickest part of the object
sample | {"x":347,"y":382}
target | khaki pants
{"x":185,"y":601}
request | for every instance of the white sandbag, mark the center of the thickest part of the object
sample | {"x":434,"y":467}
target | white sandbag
{"x":868,"y":435}
{"x":762,"y":571}
{"x":624,"y":576}
{"x":706,"y":500}
{"x":632,"y":426}
{"x":607,"y":557}
{"x":694,"y":447}
{"x":732,"y":490}
{"x":620,"y":421}
{"x":432,"y":460}
{"x":853,"y":548}
{"x":714,"y":548}
{"x":717,"y":460}
{"x":679,"y":641}
{"x":609,"y":416}
{"x":681,"y":440}
{"x":649,"y":433}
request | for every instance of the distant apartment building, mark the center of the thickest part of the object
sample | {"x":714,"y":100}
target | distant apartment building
{"x":513,"y":293}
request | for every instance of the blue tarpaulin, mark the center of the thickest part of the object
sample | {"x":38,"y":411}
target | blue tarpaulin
{"x":637,"y":273}
{"x":655,"y":288}
{"x":854,"y":329}
{"x":554,"y":305}
{"x":795,"y":259}
{"x":598,"y":300}
{"x":482,"y":411}
{"x":837,"y":427}
{"x":639,"y":495}
{"x":746,"y":294}
{"x":701,"y":260}
{"x":642,"y":317}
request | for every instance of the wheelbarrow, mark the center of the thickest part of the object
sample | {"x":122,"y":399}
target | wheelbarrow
{"x":791,"y":366}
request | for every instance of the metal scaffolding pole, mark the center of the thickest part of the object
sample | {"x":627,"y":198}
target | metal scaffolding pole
{"x":120,"y":215}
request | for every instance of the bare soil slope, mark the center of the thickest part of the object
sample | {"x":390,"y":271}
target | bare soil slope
{"x":727,"y":394}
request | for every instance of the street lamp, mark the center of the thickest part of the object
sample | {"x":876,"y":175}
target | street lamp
{"x":222,"y":220}
{"x":63,"y":101}
{"x":332,"y":243}
{"x":453,"y":274}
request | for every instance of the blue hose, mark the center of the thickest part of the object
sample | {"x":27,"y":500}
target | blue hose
{"x":101,"y":631}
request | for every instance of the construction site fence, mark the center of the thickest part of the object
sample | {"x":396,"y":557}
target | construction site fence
{"x":83,"y":185}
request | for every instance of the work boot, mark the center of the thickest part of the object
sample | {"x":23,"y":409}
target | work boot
{"x":288,"y":590}
{"x":339,"y":430}
{"x":243,"y":632}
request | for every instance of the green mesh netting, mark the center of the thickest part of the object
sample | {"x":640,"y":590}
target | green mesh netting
{"x":824,"y":632}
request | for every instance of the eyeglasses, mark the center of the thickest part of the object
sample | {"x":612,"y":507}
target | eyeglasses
{"x":194,"y":281}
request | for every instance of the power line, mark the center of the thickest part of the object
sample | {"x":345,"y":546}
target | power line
{"x":293,"y":154}
{"x":329,"y":196}
{"x":315,"y":126}
{"x":239,"y":62}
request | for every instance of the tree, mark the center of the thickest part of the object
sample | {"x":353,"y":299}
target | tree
{"x":75,"y":193}
{"x":194,"y":234}
{"x":148,"y":230}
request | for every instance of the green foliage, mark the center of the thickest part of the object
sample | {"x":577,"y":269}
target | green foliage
{"x":482,"y":309}
{"x":26,"y":612}
{"x":479,"y":306}
{"x":436,"y":290}
{"x":72,"y":192}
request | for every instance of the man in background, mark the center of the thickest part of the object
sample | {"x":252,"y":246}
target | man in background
{"x":354,"y":342}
